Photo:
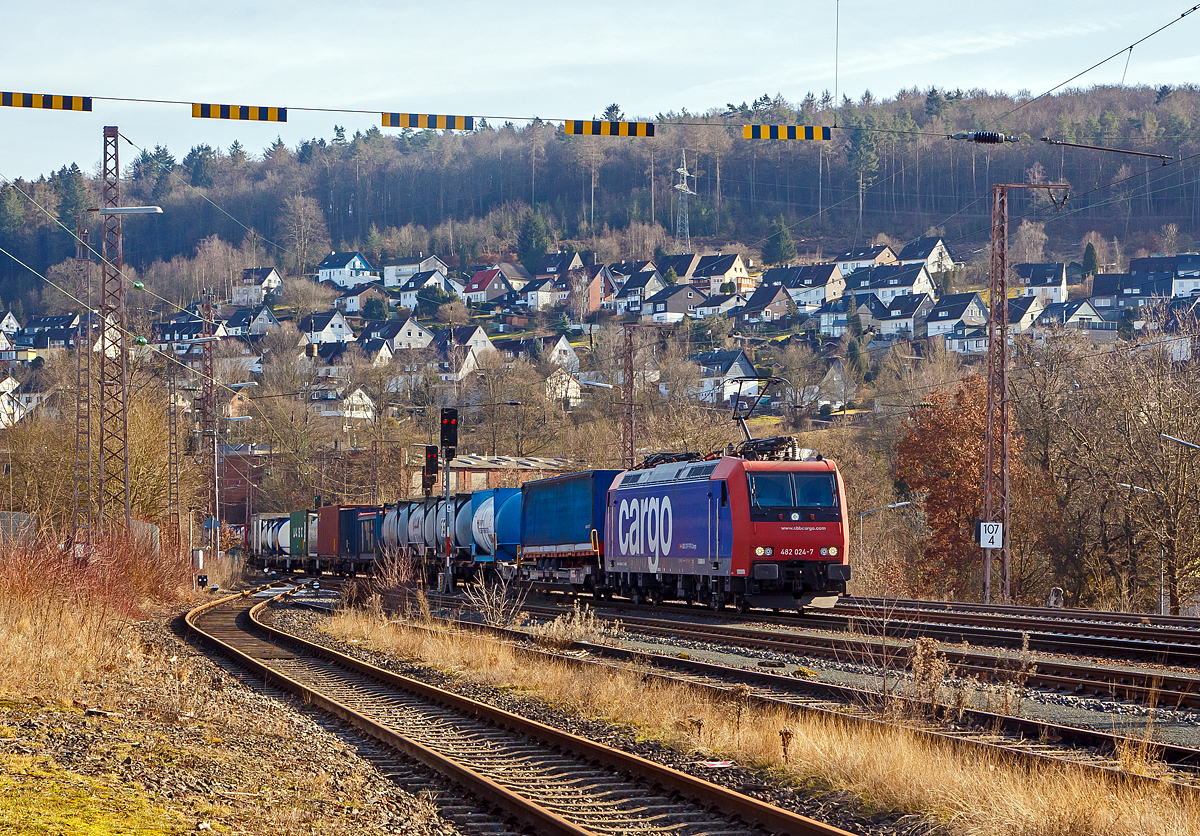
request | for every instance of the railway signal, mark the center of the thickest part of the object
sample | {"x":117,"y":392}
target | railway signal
{"x":449,"y":431}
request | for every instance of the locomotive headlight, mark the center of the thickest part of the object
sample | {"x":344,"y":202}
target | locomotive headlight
{"x":760,"y":551}
{"x":833,"y":551}
{"x":768,"y":551}
{"x":824,"y":552}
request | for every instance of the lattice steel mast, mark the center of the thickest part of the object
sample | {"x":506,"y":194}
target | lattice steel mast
{"x":114,"y":371}
{"x":683,"y":235}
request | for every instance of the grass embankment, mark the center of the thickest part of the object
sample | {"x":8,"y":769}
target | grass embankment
{"x":887,"y":769}
{"x":39,"y":797}
{"x":63,"y":621}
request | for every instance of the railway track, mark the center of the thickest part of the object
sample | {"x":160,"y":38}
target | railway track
{"x":1054,"y":631}
{"x":540,"y":778}
{"x":1035,"y":740}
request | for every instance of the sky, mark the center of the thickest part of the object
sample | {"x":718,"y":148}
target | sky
{"x":531,"y":58}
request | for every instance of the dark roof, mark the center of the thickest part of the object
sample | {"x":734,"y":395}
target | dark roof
{"x":684,"y":265}
{"x":764,"y":296}
{"x":673,"y":289}
{"x":556,"y":262}
{"x":863,"y":253}
{"x":903,"y":307}
{"x":874,"y":306}
{"x":1019,"y":307}
{"x":462,"y":334}
{"x":331,"y":352}
{"x":538,"y":284}
{"x":637,"y":281}
{"x":714,"y":265}
{"x":895,"y":275}
{"x":920,"y":248}
{"x":259,"y":273}
{"x":388,"y":329}
{"x":1153,"y":264}
{"x":1042,"y":275}
{"x":240,"y":319}
{"x":1128,"y":285}
{"x":333,"y":261}
{"x":371,"y":345}
{"x":317,"y":322}
{"x":955,"y":305}
{"x":722,"y":360}
{"x":417,"y":280}
{"x":1187,"y":263}
{"x":718,"y":300}
{"x":360,"y":289}
{"x":1061,"y":311}
{"x":1109,"y":284}
{"x":629,"y":268}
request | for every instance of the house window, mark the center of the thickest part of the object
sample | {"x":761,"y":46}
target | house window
{"x":943,"y":313}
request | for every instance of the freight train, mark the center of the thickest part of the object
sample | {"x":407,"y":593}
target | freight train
{"x":742,"y":530}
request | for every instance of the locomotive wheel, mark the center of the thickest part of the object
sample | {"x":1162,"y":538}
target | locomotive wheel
{"x":717,"y":602}
{"x":656,"y":597}
{"x":741,"y":605}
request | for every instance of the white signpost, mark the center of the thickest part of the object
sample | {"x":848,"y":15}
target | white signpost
{"x":991,"y":535}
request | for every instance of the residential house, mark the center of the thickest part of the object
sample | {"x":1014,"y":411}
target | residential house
{"x":684,"y":265}
{"x":51,"y":323}
{"x":583,"y":289}
{"x":1077,"y":313}
{"x":720,"y":305}
{"x":397,"y":271}
{"x":622,"y":270}
{"x":720,"y":372}
{"x":636,"y":290}
{"x":712,"y":271}
{"x":251,"y":321}
{"x":837,"y":388}
{"x":894,"y":280}
{"x":564,"y":388}
{"x":1187,"y":275}
{"x":767,"y":304}
{"x":673,"y":303}
{"x":906,"y":317}
{"x":17,"y":401}
{"x":376,"y":350}
{"x":538,"y":295}
{"x":9,"y":324}
{"x":555,"y":264}
{"x":1023,"y":312}
{"x":1047,"y":281}
{"x":354,"y":300}
{"x":327,"y":327}
{"x":930,"y":252}
{"x":344,"y":269}
{"x":556,"y":350}
{"x":864,"y":258}
{"x":950,"y":310}
{"x":343,"y":402}
{"x":254,"y":285}
{"x":407,"y":293}
{"x":486,"y":285}
{"x":810,"y":286}
{"x":833,"y":317}
{"x":1115,"y":291}
{"x":184,"y":331}
{"x":399,"y":333}
{"x":967,"y":339}
{"x":457,"y":351}
{"x":516,"y":274}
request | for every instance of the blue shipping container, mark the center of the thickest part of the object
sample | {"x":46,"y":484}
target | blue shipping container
{"x":561,"y":514}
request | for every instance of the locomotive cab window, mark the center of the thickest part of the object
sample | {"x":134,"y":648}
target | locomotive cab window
{"x":793,"y":496}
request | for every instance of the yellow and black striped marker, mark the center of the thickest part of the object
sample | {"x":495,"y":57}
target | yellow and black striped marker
{"x":785,"y":132}
{"x":45,"y":101}
{"x":577,"y":128}
{"x":245,"y":113}
{"x":429,"y":120}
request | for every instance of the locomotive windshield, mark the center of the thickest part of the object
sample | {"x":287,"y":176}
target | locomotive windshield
{"x":786,"y":491}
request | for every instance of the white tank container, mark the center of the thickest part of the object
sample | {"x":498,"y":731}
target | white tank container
{"x":483,"y":526}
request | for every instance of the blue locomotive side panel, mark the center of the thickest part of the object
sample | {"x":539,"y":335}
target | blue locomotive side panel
{"x":677,"y":528}
{"x":559,"y":515}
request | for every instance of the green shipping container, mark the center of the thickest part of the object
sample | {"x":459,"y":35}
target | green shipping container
{"x":299,"y":525}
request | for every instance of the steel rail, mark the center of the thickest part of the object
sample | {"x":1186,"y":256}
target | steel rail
{"x":1180,"y":756}
{"x":1146,"y":686}
{"x":708,"y":796}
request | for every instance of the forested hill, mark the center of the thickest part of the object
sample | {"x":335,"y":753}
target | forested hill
{"x":461,"y":195}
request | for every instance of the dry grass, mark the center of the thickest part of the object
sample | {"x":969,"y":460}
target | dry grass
{"x":578,"y":625}
{"x":63,"y":620}
{"x":887,"y":769}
